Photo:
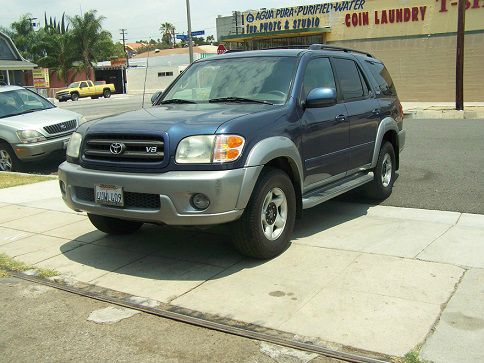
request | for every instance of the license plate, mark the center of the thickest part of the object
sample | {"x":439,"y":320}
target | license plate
{"x":64,"y":144}
{"x":109,"y":195}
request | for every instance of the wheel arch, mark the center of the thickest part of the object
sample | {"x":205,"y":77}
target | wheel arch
{"x":387,"y":131}
{"x":277,"y":152}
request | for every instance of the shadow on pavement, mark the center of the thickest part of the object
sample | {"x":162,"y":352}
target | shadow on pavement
{"x":185,"y":254}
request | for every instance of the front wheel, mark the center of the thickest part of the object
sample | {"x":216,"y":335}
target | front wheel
{"x":381,"y":186}
{"x":107,"y":93}
{"x":75,"y":96}
{"x":265,"y":228}
{"x":8,"y":159}
{"x":111,"y":225}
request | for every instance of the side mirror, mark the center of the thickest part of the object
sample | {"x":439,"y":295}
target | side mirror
{"x":321,"y":97}
{"x":155,"y":96}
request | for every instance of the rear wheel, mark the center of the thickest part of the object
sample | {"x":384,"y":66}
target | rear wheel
{"x":381,"y":186}
{"x":8,"y":159}
{"x":114,"y":225}
{"x":107,"y":93}
{"x":265,"y":228}
{"x":75,"y":96}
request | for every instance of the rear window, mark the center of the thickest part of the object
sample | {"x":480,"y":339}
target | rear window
{"x":382,"y":78}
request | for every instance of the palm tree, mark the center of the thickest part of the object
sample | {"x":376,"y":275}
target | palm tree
{"x":168,"y":32}
{"x":88,"y":36}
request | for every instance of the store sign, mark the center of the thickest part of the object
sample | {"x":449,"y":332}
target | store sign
{"x":41,"y":77}
{"x":296,"y":17}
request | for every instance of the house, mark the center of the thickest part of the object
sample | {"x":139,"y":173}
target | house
{"x":12,"y":65}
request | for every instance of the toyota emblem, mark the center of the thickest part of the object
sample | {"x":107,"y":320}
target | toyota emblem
{"x":116,"y":148}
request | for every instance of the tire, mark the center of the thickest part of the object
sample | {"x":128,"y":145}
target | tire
{"x":75,"y":96}
{"x":106,"y":93}
{"x":111,"y":225}
{"x":249,"y":237}
{"x":381,"y":186}
{"x":8,"y":160}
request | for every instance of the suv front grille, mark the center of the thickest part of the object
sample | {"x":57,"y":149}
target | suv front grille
{"x":145,"y":149}
{"x":61,"y":128}
{"x":131,"y":200}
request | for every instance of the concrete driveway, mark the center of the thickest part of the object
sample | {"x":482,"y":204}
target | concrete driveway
{"x":374,"y":278}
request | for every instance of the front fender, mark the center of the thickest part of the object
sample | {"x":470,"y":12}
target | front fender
{"x":261,"y":154}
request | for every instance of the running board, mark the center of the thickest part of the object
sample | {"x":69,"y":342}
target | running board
{"x":330,"y":191}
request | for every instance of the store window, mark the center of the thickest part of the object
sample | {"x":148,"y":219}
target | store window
{"x":165,"y":74}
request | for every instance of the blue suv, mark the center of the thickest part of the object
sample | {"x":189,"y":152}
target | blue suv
{"x":251,"y":138}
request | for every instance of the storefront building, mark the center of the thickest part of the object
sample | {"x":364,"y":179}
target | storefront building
{"x":415,"y":38}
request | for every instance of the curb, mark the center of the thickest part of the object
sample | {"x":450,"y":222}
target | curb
{"x":444,"y":114}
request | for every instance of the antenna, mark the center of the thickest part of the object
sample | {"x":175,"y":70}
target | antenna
{"x":146,"y":74}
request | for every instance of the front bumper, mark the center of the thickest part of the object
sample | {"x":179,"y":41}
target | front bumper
{"x":63,"y":97}
{"x":228,"y":190}
{"x":39,"y":150}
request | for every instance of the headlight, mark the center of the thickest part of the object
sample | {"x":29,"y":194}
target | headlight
{"x":30,"y":136}
{"x":206,"y":149}
{"x":195,"y":150}
{"x":74,"y":145}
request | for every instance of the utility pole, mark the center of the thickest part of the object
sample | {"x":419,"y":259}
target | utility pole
{"x":459,"y":70}
{"x":31,"y":23}
{"x":190,"y":43}
{"x":123,"y":32}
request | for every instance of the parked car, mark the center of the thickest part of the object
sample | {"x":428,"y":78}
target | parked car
{"x":82,"y":89}
{"x":250,"y":138}
{"x":31,"y":127}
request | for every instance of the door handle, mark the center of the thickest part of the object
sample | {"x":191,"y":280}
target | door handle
{"x":376,"y":112}
{"x":340,"y":118}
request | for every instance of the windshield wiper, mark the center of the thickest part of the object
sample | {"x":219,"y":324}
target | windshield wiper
{"x":176,"y":100}
{"x":238,"y":100}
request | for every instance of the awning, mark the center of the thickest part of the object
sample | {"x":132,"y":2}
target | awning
{"x":277,"y":34}
{"x":16,"y":65}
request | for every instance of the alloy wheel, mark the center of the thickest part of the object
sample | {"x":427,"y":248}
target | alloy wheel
{"x":274,"y":214}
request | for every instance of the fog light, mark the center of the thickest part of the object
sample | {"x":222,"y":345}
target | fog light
{"x":200,"y":201}
{"x":62,"y":187}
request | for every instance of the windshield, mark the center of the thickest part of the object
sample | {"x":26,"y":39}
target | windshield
{"x":266,"y":79}
{"x":74,"y":85}
{"x":20,"y":101}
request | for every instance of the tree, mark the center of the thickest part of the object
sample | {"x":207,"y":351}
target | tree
{"x":210,"y":39}
{"x":168,"y":34}
{"x":25,"y":38}
{"x":90,"y":38}
{"x":60,"y":54}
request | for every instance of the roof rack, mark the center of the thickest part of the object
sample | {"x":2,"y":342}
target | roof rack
{"x":341,"y":49}
{"x":310,"y":47}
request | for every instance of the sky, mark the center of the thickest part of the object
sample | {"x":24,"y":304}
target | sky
{"x":141,"y":18}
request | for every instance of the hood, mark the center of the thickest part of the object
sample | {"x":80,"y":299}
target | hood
{"x":66,"y":90}
{"x":38,"y":119}
{"x":186,"y":119}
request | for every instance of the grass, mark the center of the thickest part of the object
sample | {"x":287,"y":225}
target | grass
{"x":8,"y":264}
{"x":413,"y":357}
{"x":8,"y":180}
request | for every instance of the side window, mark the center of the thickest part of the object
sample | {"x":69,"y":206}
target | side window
{"x":318,"y":74}
{"x":83,"y":84}
{"x":349,"y":78}
{"x":382,"y":78}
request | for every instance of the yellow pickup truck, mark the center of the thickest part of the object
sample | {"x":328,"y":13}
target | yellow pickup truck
{"x":87,"y":88}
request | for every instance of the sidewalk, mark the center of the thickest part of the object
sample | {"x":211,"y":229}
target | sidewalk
{"x":372,"y":278}
{"x":442,"y":110}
